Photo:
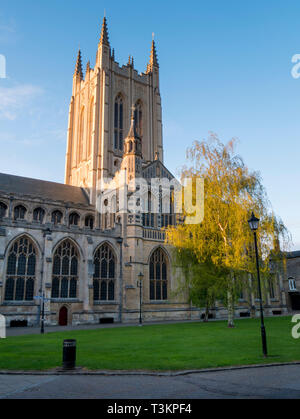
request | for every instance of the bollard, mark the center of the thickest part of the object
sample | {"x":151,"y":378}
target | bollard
{"x":69,"y":354}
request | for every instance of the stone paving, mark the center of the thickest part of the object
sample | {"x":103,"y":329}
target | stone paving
{"x":264,"y":382}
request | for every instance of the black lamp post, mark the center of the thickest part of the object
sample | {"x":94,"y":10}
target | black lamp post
{"x":253,"y":223}
{"x":140,"y":285}
{"x":43,"y":315}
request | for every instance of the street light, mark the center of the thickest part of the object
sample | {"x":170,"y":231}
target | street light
{"x":253,"y":223}
{"x":140,"y":285}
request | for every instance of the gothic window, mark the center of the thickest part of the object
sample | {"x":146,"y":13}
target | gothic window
{"x":148,"y":217}
{"x":20,"y":212}
{"x":89,"y":222}
{"x":3,"y":209}
{"x":39,"y":215}
{"x":118,"y":123}
{"x":56,"y":217}
{"x":138,"y":119}
{"x":104,"y":277}
{"x":65,"y":271}
{"x":74,"y":219}
{"x":158,"y":276}
{"x":20,"y":272}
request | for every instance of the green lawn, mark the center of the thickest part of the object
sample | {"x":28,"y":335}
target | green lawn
{"x":158,"y":347}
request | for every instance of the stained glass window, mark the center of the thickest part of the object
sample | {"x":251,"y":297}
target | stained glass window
{"x":3,"y":209}
{"x":65,"y":271}
{"x":19,"y":212}
{"x":158,"y":276}
{"x":56,"y":217}
{"x":20,"y":271}
{"x":38,"y":215}
{"x":104,"y":277}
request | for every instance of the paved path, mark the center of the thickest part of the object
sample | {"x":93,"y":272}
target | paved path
{"x":267,"y":382}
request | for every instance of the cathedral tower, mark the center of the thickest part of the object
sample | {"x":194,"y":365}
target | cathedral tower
{"x":100,"y":115}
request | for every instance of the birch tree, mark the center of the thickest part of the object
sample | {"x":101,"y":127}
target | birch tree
{"x":217,"y":254}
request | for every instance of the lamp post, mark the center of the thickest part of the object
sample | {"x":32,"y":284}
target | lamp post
{"x":253,"y":223}
{"x":43,"y":315}
{"x":140,"y":285}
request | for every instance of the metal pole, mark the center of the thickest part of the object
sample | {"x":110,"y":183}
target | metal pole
{"x":43,"y":315}
{"x":263,"y":330}
{"x":141,"y":320}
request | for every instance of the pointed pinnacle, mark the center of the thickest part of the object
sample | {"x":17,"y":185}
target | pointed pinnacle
{"x":104,"y":38}
{"x":78,"y":67}
{"x":153,"y":56}
{"x":132,"y":131}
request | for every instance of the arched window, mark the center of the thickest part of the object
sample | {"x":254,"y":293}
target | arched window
{"x":89,"y":222}
{"x":20,"y":212}
{"x":38,"y":215}
{"x":56,"y":217}
{"x":158,"y":276}
{"x":74,"y":219}
{"x":65,"y":271}
{"x":138,"y":118}
{"x":104,"y":277}
{"x":20,"y":272}
{"x":118,"y":123}
{"x":148,"y":216}
{"x":3,"y":209}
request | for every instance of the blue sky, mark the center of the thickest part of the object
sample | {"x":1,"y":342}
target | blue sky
{"x":225,"y":67}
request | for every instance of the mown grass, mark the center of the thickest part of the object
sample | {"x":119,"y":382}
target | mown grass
{"x":156,"y":347}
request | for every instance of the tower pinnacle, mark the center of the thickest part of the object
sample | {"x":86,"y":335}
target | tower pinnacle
{"x":133,"y":141}
{"x":78,"y":67}
{"x":104,"y":38}
{"x":153,"y":56}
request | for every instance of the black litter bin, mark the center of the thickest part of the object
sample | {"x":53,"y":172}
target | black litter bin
{"x":69,"y":354}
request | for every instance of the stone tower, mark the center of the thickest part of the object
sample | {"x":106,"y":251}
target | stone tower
{"x":100,"y":115}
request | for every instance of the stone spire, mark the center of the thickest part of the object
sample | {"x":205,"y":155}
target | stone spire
{"x":132,"y":141}
{"x":78,"y":67}
{"x":104,"y":38}
{"x":153,"y":57}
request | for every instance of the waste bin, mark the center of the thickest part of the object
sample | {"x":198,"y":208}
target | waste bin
{"x":69,"y":354}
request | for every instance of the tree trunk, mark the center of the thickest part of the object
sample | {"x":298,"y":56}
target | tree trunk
{"x":206,"y":312}
{"x":230,"y":310}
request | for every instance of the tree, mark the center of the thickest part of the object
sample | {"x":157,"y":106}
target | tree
{"x":217,"y":255}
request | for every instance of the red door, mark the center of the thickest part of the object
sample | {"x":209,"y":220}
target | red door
{"x":63,"y":316}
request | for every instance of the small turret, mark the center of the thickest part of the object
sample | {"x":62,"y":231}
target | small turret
{"x":133,"y":143}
